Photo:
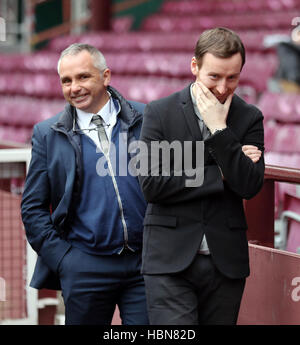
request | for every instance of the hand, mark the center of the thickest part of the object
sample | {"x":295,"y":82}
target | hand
{"x":252,"y":152}
{"x":213,"y":113}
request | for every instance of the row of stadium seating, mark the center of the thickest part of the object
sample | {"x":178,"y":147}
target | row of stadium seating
{"x":190,"y":7}
{"x":36,"y":74}
{"x":241,"y":21}
{"x":254,"y":41}
{"x":21,"y":111}
{"x":133,"y":63}
{"x":283,"y":138}
{"x":141,"y":88}
{"x":12,"y":134}
{"x":281,"y":107}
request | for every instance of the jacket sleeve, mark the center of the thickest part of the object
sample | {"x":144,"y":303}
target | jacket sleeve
{"x":35,"y":207}
{"x":242,"y":176}
{"x":173,"y":187}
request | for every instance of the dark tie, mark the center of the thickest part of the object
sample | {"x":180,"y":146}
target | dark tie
{"x":97,"y":120}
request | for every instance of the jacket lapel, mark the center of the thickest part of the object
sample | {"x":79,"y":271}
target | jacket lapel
{"x":189,"y":113}
{"x":192,"y":120}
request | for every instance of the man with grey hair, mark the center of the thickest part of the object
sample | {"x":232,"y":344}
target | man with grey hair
{"x":76,"y":48}
{"x":86,"y":227}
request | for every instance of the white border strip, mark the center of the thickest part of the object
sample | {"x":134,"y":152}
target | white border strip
{"x":24,"y":155}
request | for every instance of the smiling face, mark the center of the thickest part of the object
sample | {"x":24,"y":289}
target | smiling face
{"x":83,"y":85}
{"x":220,"y":75}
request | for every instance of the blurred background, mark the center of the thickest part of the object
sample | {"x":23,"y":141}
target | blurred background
{"x":148,"y":45}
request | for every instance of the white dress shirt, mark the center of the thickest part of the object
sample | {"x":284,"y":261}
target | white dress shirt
{"x":109,"y":115}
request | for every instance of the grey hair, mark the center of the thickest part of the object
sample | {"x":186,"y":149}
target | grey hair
{"x":76,"y":48}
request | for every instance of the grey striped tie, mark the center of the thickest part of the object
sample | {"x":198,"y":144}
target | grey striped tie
{"x":97,"y":120}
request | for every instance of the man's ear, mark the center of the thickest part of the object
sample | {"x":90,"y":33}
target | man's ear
{"x":106,"y":77}
{"x":194,"y":67}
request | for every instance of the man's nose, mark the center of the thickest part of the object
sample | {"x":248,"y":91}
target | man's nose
{"x":75,"y":87}
{"x":222,"y":87}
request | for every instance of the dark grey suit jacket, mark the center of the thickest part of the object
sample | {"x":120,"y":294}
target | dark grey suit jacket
{"x":177,"y":216}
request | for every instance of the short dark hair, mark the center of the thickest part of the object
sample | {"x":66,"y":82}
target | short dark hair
{"x":220,"y":42}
